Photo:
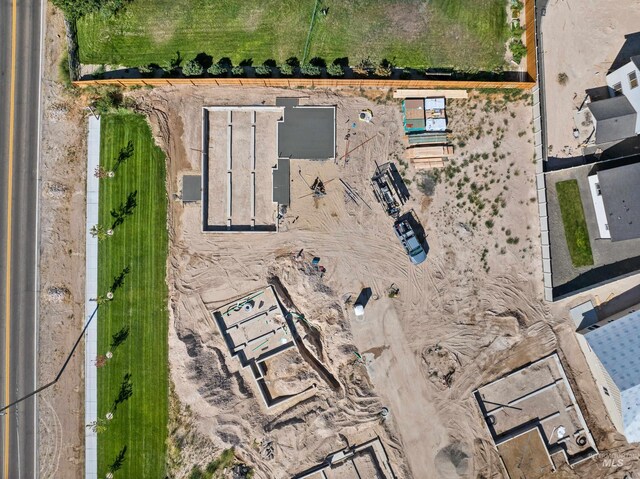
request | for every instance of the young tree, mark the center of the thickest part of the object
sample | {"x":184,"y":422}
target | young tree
{"x":310,"y":70}
{"x":98,"y":231}
{"x":518,"y":50}
{"x":384,"y":69}
{"x":192,"y":69}
{"x":363,"y":67}
{"x":101,"y":172}
{"x":263,"y":70}
{"x":286,"y":70}
{"x":335,"y":70}
{"x":217,"y":70}
{"x":101,"y":360}
{"x":98,"y":426}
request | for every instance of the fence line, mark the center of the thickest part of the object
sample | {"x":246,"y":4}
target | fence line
{"x":530,"y":38}
{"x":309,"y":82}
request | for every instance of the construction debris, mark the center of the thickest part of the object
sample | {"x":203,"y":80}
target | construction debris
{"x":352,"y":193}
{"x":318,"y":188}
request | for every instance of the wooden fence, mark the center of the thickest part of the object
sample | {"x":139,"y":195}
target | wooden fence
{"x":530,"y":39}
{"x":308,"y":83}
{"x":529,"y":9}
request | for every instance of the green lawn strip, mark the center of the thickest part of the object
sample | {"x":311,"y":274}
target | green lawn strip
{"x":575,"y":226}
{"x":457,"y":33}
{"x":463,"y":34}
{"x":140,"y":243}
{"x":152,"y":31}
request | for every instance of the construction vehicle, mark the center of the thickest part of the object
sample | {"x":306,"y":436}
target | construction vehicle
{"x":409,"y":240}
{"x":385,"y":189}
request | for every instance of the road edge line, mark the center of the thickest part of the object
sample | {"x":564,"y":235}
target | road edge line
{"x":36,"y":300}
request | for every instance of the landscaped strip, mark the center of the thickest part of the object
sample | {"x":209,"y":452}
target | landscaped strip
{"x":575,"y":226}
{"x":131,"y":264}
{"x":468,"y":35}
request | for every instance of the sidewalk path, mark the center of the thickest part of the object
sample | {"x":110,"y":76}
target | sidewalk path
{"x":91,"y":291}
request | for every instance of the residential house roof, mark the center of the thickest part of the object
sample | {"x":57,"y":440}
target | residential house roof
{"x":620,"y":189}
{"x":615,"y":117}
{"x":617,"y":345}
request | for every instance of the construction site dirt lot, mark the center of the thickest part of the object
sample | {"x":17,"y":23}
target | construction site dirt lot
{"x":472,"y":312}
{"x":580,"y":39}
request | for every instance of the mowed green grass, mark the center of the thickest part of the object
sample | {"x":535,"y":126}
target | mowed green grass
{"x":140,"y":243}
{"x":463,"y":34}
{"x":575,"y":226}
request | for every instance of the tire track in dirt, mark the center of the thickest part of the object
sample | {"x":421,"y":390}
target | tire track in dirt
{"x":50,"y":451}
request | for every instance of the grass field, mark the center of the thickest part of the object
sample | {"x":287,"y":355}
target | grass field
{"x":140,"y":303}
{"x":575,"y":226}
{"x":465,"y":34}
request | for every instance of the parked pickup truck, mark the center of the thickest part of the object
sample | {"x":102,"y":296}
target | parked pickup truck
{"x":409,"y":240}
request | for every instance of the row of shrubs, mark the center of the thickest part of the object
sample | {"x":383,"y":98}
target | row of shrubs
{"x":292,"y":67}
{"x":516,"y":46}
{"x":204,"y":66}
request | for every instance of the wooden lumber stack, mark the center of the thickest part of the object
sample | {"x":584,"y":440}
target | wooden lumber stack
{"x":433,"y":151}
{"x":427,"y":138}
{"x":427,"y":157}
{"x":428,"y":163}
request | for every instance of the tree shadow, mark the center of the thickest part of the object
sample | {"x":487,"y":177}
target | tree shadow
{"x":119,"y":337}
{"x":387,"y":63}
{"x":125,"y":153}
{"x":630,"y":48}
{"x":247,"y":62}
{"x":125,"y":392}
{"x":343,"y":62}
{"x":174,"y":63}
{"x":270,"y":62}
{"x":225,"y":62}
{"x":293,"y":62}
{"x":318,"y":62}
{"x":118,"y":281}
{"x":124,"y":210}
{"x":119,"y":461}
{"x":205,"y":60}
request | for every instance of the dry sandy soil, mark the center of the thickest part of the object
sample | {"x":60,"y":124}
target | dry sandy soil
{"x":580,"y":38}
{"x":471,"y":313}
{"x":62,"y":265}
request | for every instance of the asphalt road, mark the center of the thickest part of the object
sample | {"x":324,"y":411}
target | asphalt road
{"x":20,"y":50}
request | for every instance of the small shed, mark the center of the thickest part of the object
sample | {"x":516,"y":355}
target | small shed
{"x":424,"y":114}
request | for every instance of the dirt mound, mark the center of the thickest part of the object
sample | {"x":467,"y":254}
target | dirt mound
{"x":452,"y":461}
{"x":441,"y":365}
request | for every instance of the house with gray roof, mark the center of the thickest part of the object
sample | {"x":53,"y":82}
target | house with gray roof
{"x":617,"y":118}
{"x":616,"y":200}
{"x":612,"y":349}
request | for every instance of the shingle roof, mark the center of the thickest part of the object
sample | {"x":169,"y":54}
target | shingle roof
{"x":616,"y":119}
{"x":621,"y":198}
{"x":617,"y":346}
